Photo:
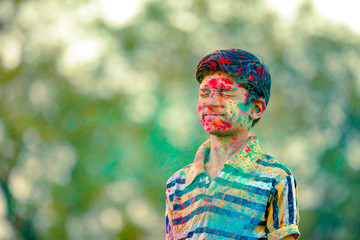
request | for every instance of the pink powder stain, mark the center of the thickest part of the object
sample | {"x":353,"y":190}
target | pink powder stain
{"x":259,"y":70}
{"x":222,"y":82}
{"x":224,"y":60}
{"x":227,"y":81}
{"x":206,"y":59}
{"x":221,"y":124}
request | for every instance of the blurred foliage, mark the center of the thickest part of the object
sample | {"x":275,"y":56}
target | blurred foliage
{"x":96,"y":115}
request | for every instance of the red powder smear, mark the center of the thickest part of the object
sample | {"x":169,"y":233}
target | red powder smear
{"x":224,"y":60}
{"x":247,"y":149}
{"x":226,"y":80}
{"x":239,"y":71}
{"x":222,"y":124}
{"x":242,"y":57}
{"x":223,"y":83}
{"x":259,"y":70}
{"x":213,"y":83}
{"x":206,"y":59}
{"x":247,"y":95}
{"x":251,"y":77}
{"x":213,"y":64}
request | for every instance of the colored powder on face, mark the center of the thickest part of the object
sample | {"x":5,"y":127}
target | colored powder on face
{"x":215,"y":83}
{"x":227,"y":81}
{"x":222,"y":124}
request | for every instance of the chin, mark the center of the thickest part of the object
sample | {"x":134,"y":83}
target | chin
{"x":218,"y":132}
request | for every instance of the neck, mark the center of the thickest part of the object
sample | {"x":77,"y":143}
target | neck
{"x":223,"y":147}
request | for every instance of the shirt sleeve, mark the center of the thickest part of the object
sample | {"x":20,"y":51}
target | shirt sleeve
{"x":283,"y":213}
{"x":168,"y":216}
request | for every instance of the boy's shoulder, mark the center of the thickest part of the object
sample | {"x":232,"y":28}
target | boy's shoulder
{"x":179,"y":176}
{"x":272,"y":166}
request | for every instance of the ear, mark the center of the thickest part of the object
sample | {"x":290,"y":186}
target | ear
{"x":258,"y":107}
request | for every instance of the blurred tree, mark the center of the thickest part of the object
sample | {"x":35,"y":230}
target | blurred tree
{"x":95,"y":117}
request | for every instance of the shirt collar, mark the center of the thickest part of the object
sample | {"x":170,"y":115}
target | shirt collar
{"x":247,"y":153}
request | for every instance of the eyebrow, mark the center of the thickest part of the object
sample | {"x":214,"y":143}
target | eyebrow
{"x":226,"y":89}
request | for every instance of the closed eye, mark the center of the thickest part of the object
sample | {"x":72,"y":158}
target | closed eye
{"x":204,"y":93}
{"x":227,"y":93}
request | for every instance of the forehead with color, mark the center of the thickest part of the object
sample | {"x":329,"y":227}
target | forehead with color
{"x":219,"y":81}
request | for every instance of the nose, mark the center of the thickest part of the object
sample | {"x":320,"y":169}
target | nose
{"x":213,"y":100}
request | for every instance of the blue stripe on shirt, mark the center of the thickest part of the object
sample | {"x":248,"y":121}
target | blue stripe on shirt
{"x":237,"y":185}
{"x":220,"y":211}
{"x":178,"y":181}
{"x":290,"y":197}
{"x":237,"y":173}
{"x":217,"y":232}
{"x":273,"y":165}
{"x":225,"y":197}
{"x":276,"y":211}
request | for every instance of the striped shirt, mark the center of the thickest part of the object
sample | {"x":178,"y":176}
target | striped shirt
{"x":253,"y":197}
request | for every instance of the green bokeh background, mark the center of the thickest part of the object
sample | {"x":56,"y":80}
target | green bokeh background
{"x":96,"y":116}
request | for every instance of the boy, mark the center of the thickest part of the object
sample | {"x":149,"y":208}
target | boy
{"x":233,"y":190}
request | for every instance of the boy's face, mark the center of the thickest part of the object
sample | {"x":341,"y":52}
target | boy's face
{"x":223,"y":105}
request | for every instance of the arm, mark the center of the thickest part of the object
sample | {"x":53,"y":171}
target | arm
{"x":168,"y":217}
{"x":283,"y":215}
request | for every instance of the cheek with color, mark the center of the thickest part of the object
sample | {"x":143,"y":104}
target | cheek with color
{"x":242,"y":112}
{"x":216,"y":123}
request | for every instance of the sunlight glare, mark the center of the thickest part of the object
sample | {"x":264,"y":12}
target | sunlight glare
{"x":116,"y":13}
{"x":345,"y":11}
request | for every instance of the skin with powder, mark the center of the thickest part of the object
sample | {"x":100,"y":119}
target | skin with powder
{"x":226,"y":112}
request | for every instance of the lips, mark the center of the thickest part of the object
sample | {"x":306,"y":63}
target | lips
{"x":213,"y":115}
